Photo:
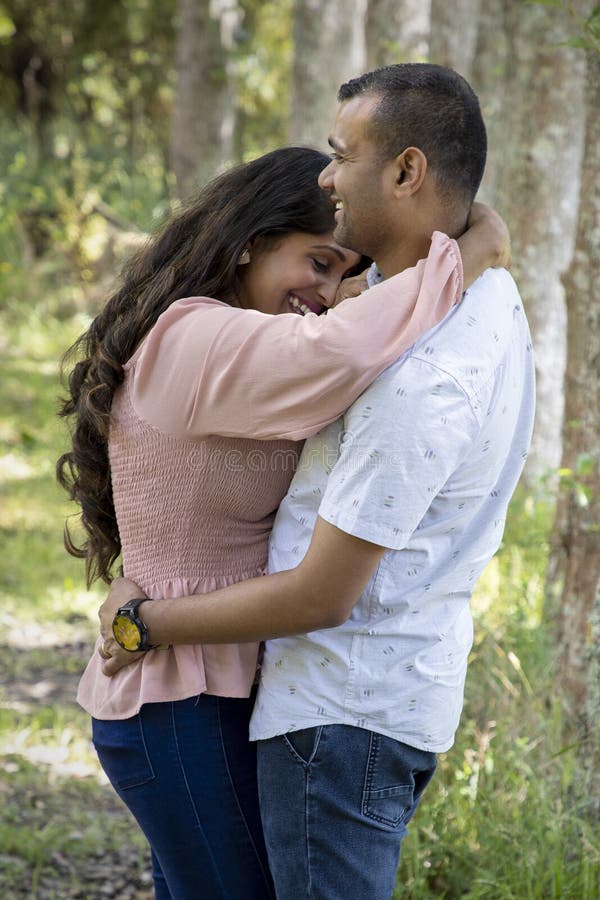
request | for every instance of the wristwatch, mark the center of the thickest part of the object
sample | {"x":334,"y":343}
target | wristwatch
{"x":129,"y":631}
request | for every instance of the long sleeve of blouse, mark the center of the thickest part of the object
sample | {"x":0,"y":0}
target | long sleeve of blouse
{"x":207,"y":368}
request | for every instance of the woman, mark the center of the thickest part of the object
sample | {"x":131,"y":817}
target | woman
{"x":188,"y":413}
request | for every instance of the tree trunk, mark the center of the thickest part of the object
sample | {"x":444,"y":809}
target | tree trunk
{"x":575,"y":562}
{"x":396,"y":31}
{"x":203,"y":117}
{"x":454,"y":34}
{"x":537,"y":189}
{"x":488,"y":77}
{"x":329,"y":49}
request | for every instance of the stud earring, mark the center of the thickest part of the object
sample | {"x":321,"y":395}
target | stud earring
{"x":244,"y":258}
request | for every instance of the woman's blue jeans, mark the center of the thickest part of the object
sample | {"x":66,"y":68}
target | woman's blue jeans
{"x":187,"y":772}
{"x":335,"y":802}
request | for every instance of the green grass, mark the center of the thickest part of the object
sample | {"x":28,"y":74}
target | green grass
{"x":509,"y":814}
{"x":63,"y":832}
{"x":40,"y":576}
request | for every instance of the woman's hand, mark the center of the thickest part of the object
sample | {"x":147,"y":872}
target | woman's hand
{"x":351,"y":287}
{"x":492,"y":231}
{"x":485,"y":243}
{"x":115,"y":658}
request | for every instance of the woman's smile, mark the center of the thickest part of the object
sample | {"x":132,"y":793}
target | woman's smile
{"x":301,"y":306}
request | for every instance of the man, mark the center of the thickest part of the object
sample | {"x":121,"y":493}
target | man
{"x":393,"y":513}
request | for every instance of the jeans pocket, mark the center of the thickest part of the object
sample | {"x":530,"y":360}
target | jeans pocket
{"x":303,"y":744}
{"x":122,"y":751}
{"x":395,"y":778}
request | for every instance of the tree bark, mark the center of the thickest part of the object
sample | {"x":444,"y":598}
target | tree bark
{"x":203,"y":116}
{"x":454,"y":34}
{"x":488,"y":76}
{"x":575,"y":561}
{"x":396,"y":31}
{"x":538,"y":157}
{"x":329,"y":49}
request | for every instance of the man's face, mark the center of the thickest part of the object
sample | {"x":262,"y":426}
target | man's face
{"x":355,"y":180}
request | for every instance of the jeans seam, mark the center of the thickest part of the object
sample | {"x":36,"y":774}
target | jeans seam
{"x":189,"y":791}
{"x":374,"y":747}
{"x":294,"y":753}
{"x":235,"y":794}
{"x":307,"y":775}
{"x":129,"y":783}
{"x":368,"y":790}
{"x":371,"y":759}
{"x":182,"y":769}
{"x":307,"y":824}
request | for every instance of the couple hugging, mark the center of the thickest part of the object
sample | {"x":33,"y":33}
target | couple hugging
{"x":357,"y":303}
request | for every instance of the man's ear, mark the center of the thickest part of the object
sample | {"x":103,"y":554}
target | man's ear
{"x":410,"y":169}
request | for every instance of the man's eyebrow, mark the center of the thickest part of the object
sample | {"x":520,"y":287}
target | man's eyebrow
{"x":334,"y":144}
{"x":335,"y":250}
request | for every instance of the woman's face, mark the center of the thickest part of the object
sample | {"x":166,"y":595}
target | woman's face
{"x":299,"y":274}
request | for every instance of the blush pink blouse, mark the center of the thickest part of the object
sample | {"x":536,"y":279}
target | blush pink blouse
{"x":204,"y":440}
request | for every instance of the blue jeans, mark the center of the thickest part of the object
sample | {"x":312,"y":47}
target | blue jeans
{"x":187,"y":772}
{"x":335,"y":802}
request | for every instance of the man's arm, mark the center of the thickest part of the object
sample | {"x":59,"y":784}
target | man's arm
{"x":319,"y":593}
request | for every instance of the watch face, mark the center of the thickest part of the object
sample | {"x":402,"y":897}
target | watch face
{"x":126,"y":633}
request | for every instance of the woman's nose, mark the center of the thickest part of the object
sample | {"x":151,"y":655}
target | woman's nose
{"x":328,"y":291}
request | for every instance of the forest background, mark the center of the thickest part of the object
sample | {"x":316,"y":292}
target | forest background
{"x":110,"y":114}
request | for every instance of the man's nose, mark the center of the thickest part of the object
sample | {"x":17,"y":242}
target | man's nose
{"x":326,"y":177}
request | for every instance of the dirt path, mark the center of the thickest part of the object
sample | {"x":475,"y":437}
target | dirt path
{"x":63,"y":833}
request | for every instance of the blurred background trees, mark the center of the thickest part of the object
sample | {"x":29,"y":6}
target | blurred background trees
{"x":113,"y":113}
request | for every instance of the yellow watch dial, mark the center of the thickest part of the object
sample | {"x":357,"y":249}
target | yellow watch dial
{"x":126,"y":633}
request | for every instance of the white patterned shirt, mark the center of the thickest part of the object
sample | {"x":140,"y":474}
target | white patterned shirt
{"x":424,"y":463}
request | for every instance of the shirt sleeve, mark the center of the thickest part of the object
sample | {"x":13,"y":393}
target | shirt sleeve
{"x":402,"y":441}
{"x":208,"y":368}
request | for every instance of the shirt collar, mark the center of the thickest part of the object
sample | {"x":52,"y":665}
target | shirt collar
{"x":374,"y":276}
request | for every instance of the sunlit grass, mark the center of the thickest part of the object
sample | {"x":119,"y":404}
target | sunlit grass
{"x":57,"y":741}
{"x":40,"y":585}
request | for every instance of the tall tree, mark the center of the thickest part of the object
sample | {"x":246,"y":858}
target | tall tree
{"x":203,"y":121}
{"x":575,"y":562}
{"x":537,"y":156}
{"x":329,"y":48}
{"x":396,"y":31}
{"x":489,"y":69}
{"x":454,"y":34}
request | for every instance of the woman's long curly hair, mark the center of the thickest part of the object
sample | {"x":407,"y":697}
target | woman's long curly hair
{"x":195,"y":254}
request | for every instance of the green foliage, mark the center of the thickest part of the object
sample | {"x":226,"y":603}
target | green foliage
{"x":590,"y":31}
{"x":587,"y":28}
{"x":509,"y":814}
{"x":263,"y":77}
{"x":86,"y":96}
{"x":573,"y":480}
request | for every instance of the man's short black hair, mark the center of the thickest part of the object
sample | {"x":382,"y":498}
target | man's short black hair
{"x":433,"y":108}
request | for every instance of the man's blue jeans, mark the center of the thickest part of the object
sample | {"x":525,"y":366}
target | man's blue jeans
{"x":335,"y":802}
{"x":187,"y":772}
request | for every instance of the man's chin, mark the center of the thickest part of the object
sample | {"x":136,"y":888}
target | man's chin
{"x":343,"y":236}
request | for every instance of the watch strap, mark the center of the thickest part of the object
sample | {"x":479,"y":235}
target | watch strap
{"x":129,"y":611}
